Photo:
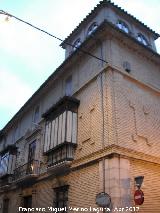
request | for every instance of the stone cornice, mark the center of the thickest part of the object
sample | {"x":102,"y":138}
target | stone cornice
{"x":108,"y":151}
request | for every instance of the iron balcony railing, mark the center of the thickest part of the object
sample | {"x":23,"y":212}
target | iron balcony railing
{"x":29,"y":169}
{"x":63,"y":152}
{"x":4,"y":182}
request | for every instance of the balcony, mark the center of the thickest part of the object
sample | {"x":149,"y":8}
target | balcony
{"x":60,"y":139}
{"x":5,"y":182}
{"x":60,"y":158}
{"x":7,"y":165}
{"x":27,"y":173}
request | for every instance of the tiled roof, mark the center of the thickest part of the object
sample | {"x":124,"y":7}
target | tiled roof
{"x":97,"y":7}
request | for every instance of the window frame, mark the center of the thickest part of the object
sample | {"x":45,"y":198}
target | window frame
{"x":6,"y":158}
{"x":36,"y":114}
{"x":142,"y":39}
{"x":77,"y":44}
{"x":3,"y":161}
{"x":69,"y":85}
{"x":31,"y":156}
{"x":61,"y":197}
{"x":27,"y":201}
{"x":92,"y":28}
{"x":32,"y":151}
{"x":123,"y":27}
{"x":6,"y":209}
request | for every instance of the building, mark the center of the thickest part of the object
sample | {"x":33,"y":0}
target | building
{"x":93,"y":126}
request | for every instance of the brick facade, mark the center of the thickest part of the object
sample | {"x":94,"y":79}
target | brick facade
{"x":118,"y":130}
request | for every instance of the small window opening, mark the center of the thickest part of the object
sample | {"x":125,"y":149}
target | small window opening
{"x":92,"y":28}
{"x":123,"y":26}
{"x":68,"y":86}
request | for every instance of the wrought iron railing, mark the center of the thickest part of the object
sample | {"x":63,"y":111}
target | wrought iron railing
{"x":4,"y":182}
{"x":65,"y":152}
{"x":30,"y":168}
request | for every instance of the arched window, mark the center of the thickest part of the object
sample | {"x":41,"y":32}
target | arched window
{"x":76,"y":44}
{"x":141,"y":38}
{"x":92,"y":28}
{"x":123,"y":26}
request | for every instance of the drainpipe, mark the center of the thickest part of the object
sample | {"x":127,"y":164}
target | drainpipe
{"x":100,"y":87}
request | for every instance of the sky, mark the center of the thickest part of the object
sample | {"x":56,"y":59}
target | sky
{"x":28,"y":57}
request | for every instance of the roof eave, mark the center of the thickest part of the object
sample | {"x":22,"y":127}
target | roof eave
{"x":97,"y":7}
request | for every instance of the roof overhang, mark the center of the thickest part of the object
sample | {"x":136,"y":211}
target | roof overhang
{"x":106,"y":3}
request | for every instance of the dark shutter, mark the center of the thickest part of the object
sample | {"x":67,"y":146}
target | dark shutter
{"x":61,"y":198}
{"x":5,"y":205}
{"x":27,"y":202}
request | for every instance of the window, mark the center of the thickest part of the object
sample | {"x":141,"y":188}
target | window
{"x":7,"y":160}
{"x":76,"y":44}
{"x":31,"y":157}
{"x":16,"y":133}
{"x":36,"y":115}
{"x":5,"y":205}
{"x":61,"y":197}
{"x":27,"y":202}
{"x":68,"y":86}
{"x":61,"y":129}
{"x":92,"y":28}
{"x":123,"y":26}
{"x":31,"y":153}
{"x":141,"y":38}
{"x":4,"y":164}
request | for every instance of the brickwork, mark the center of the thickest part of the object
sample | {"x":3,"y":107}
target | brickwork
{"x":136,"y":115}
{"x":118,"y":129}
{"x":89,"y":112}
{"x":83,"y":183}
{"x":150,"y":186}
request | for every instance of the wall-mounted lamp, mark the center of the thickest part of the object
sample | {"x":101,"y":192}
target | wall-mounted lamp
{"x":139,"y":181}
